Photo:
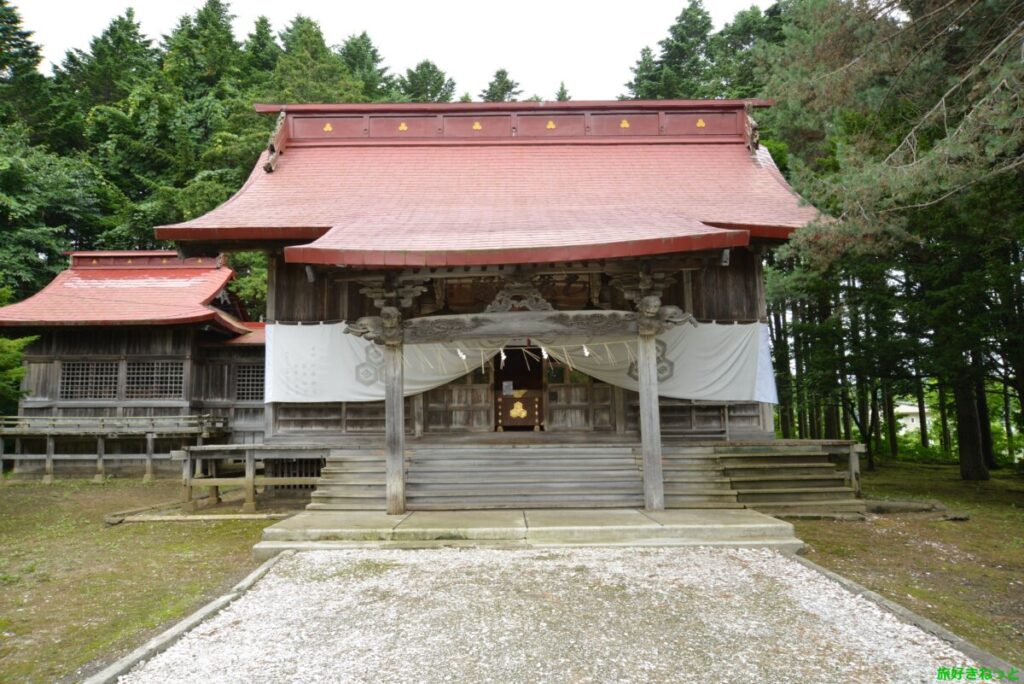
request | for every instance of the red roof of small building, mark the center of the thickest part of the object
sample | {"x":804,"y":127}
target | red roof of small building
{"x":256,"y":335}
{"x":436,"y":185}
{"x":128,"y":288}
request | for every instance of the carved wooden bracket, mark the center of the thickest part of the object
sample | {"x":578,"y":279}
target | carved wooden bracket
{"x":518,"y":295}
{"x":582,"y":326}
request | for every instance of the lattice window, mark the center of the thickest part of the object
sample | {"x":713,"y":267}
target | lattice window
{"x":155,"y":380}
{"x":249,"y":382}
{"x":88,"y":380}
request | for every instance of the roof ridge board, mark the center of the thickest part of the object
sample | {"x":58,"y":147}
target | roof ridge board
{"x":524,"y":141}
{"x":491,"y":107}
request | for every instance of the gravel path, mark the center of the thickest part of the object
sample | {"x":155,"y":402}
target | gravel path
{"x":562,"y":615}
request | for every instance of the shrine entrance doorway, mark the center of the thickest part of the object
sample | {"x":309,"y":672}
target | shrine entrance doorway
{"x":519,"y":390}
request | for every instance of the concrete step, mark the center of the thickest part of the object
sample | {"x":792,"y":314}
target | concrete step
{"x":754,"y":496}
{"x":626,"y":526}
{"x":672,"y":502}
{"x":675,"y":499}
{"x":531,"y":503}
{"x":812,"y":509}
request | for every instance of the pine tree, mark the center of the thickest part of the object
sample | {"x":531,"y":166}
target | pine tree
{"x":364,"y":63}
{"x":201,"y":52}
{"x":646,"y":83}
{"x":426,"y":83}
{"x":308,"y":70}
{"x":116,"y":61}
{"x":465,"y":97}
{"x":562,"y":95}
{"x":501,"y":88}
{"x":23,"y":90}
{"x":261,"y":51}
{"x":684,"y":63}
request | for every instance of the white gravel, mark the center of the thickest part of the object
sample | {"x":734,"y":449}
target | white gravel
{"x":562,"y":615}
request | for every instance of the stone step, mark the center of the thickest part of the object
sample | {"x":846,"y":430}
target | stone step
{"x":812,"y":509}
{"x":694,"y":500}
{"x":753,"y":496}
{"x":531,"y":503}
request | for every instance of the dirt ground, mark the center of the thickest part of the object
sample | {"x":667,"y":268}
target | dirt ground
{"x":966,"y":575}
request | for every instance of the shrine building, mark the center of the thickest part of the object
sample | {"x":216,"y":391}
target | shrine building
{"x":468,"y":306}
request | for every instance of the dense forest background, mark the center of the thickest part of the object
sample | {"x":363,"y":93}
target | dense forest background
{"x":901,"y":120}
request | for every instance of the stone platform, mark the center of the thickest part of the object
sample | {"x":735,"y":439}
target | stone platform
{"x":312,"y":530}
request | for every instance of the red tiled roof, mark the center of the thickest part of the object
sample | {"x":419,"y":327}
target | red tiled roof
{"x":127,"y":288}
{"x":598,"y":191}
{"x":256,"y":335}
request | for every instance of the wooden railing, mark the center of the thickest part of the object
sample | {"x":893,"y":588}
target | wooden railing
{"x":250,"y":454}
{"x":103,"y":428}
{"x":110,"y":426}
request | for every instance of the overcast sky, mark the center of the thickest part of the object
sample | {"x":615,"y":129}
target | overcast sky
{"x":589,"y":45}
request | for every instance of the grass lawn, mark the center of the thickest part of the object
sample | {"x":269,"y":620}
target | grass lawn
{"x":967,"y":576}
{"x":73,"y":590}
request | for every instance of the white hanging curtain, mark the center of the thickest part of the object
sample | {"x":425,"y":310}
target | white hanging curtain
{"x":708,"y":362}
{"x":320,"y":363}
{"x":711,"y":362}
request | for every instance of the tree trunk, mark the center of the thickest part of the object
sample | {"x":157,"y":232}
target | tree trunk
{"x":968,"y":431}
{"x":922,"y":413}
{"x":891,"y":428}
{"x":945,"y":438}
{"x":988,"y":451}
{"x":876,"y":423}
{"x":1008,"y":420}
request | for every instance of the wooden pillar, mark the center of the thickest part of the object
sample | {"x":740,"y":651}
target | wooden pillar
{"x":250,"y":482}
{"x":148,"y":476}
{"x":48,"y":466}
{"x":101,"y":472}
{"x":394,"y":428}
{"x":187,"y":504}
{"x":650,"y":422}
{"x":417,"y":410}
{"x":214,"y":491}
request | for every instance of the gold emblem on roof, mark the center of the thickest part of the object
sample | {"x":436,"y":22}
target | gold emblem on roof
{"x":700,"y":123}
{"x":163,"y":261}
{"x":129,"y":261}
{"x":551,"y":125}
{"x":94,"y":261}
{"x":477,"y":126}
{"x":624,"y":123}
{"x":328,"y":127}
{"x":403,"y":127}
{"x":517,"y":410}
